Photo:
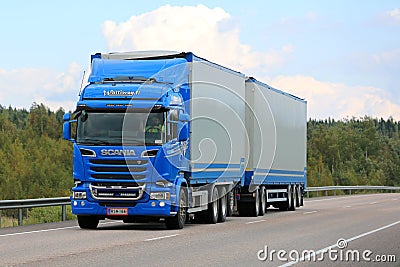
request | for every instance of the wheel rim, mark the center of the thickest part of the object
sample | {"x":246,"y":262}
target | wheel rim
{"x":223,"y":205}
{"x":263,"y":202}
{"x":182,"y":210}
{"x":215,"y":203}
{"x":231,"y":204}
{"x":257,"y":201}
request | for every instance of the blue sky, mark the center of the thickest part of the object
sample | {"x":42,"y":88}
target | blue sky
{"x":342,"y":56}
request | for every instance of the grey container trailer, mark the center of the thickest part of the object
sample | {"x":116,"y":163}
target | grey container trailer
{"x":276,"y":124}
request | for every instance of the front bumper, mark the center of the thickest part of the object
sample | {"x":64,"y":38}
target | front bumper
{"x":161,"y":208}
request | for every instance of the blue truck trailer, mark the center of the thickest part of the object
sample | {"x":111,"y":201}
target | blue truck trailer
{"x":169,"y":136}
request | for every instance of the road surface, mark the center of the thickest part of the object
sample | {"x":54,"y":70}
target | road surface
{"x":337,"y":229}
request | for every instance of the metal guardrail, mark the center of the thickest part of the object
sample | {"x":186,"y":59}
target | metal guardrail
{"x":64,"y":201}
{"x":35,"y":203}
{"x":349,"y":189}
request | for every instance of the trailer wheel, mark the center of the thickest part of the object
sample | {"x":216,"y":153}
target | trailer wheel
{"x":301,"y":197}
{"x":292,"y":206}
{"x":263,"y":202}
{"x":230,"y":199}
{"x":88,"y":222}
{"x":288,"y":203}
{"x":223,"y":205}
{"x":297,"y":195}
{"x":213,"y":208}
{"x":178,"y":221}
{"x":255,"y":206}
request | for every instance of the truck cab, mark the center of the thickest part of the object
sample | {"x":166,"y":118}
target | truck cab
{"x":130,"y":137}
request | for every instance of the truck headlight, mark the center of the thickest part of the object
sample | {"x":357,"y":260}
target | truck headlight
{"x":79,"y":195}
{"x":160,"y":195}
{"x":164,"y":183}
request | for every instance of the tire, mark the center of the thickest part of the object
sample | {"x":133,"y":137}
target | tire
{"x":230,"y":199}
{"x":223,"y":205}
{"x":292,"y":206}
{"x":263,"y":202}
{"x":285,"y":206}
{"x":255,"y":205}
{"x":213,"y":208}
{"x":88,"y":222}
{"x":301,"y":197}
{"x":178,"y":221}
{"x":297,"y":195}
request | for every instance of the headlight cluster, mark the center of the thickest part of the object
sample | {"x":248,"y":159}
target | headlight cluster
{"x":160,"y":195}
{"x":79,"y":195}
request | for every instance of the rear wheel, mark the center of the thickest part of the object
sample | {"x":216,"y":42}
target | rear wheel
{"x":292,"y":206}
{"x":230,"y":203}
{"x":178,"y":221}
{"x":263,"y":202}
{"x":213,"y":208}
{"x":297,"y":195}
{"x":301,"y":197}
{"x":255,"y":205}
{"x":88,"y":222}
{"x":223,"y":205}
{"x":288,"y":203}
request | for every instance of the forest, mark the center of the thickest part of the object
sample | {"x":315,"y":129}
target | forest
{"x":36,"y":162}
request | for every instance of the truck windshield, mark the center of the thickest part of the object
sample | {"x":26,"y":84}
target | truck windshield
{"x":101,"y":128}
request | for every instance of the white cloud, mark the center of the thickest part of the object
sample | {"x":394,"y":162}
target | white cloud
{"x":212,"y":34}
{"x":209,"y":33}
{"x":337,"y":100}
{"x":21,"y":87}
{"x":394,"y":14}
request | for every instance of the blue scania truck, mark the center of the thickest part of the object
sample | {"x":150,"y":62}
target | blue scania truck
{"x":169,"y":136}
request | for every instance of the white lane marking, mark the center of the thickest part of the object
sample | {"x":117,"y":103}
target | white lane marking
{"x":309,"y":212}
{"x":372,"y":203}
{"x":160,"y":237}
{"x":394,"y":199}
{"x":47,"y":230}
{"x":39,"y":231}
{"x":324,"y":250}
{"x":347,"y":206}
{"x":255,"y":221}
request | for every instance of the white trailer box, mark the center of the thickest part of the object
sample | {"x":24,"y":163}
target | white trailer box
{"x":276,"y":125}
{"x":218,"y":133}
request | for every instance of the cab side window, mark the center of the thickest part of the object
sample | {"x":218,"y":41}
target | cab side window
{"x":173,"y":123}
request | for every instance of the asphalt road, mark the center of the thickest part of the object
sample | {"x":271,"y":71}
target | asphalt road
{"x":368,"y":226}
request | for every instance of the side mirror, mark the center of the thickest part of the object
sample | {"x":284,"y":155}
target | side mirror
{"x":183,"y":133}
{"x":67,"y":117}
{"x":67,"y":130}
{"x":67,"y":127}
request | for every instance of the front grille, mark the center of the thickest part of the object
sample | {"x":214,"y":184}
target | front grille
{"x":118,"y":169}
{"x":116,"y":191}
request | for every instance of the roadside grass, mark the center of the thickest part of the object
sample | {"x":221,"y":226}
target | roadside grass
{"x":9,"y":218}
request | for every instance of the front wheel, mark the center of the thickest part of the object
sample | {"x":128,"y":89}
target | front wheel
{"x":178,"y":221}
{"x":88,"y":222}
